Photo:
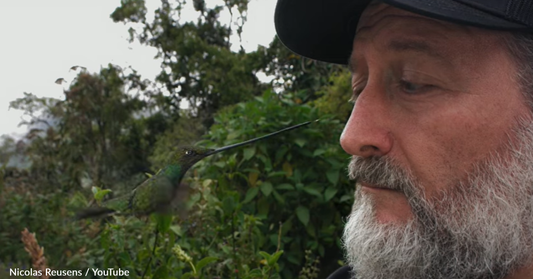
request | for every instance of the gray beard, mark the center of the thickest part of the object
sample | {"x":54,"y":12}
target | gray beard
{"x":481,"y":227}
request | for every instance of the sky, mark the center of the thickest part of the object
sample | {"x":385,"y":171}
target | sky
{"x":42,"y":40}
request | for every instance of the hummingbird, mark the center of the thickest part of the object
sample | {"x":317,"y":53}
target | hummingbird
{"x":157,"y":192}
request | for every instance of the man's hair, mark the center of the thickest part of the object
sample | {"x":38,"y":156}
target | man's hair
{"x":520,"y":46}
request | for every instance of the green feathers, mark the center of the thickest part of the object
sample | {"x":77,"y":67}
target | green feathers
{"x":153,"y":195}
{"x":157,"y":192}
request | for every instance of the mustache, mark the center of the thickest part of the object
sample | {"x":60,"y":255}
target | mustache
{"x":384,"y":172}
{"x":380,"y":171}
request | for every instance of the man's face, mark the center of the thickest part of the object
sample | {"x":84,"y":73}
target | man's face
{"x":441,"y":137}
{"x":433,"y":96}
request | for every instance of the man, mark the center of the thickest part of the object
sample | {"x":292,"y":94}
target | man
{"x":441,"y":133}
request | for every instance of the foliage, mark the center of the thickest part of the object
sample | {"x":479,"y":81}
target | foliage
{"x":12,"y":153}
{"x":268,"y":210}
{"x":88,"y":136}
{"x":7,"y":148}
{"x":164,"y":246}
{"x":261,"y":211}
{"x":47,"y":214}
{"x":293,"y":183}
{"x":185,"y":131}
{"x":198,"y":65}
{"x":334,"y":96}
{"x":243,"y":222}
{"x":294,"y":73}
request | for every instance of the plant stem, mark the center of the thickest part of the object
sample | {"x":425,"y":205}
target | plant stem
{"x":233,"y":240}
{"x":153,"y":253}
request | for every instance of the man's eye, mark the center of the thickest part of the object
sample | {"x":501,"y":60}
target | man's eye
{"x":413,"y":88}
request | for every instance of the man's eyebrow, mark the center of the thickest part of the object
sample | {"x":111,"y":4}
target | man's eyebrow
{"x":404,"y":45}
{"x":414,"y":45}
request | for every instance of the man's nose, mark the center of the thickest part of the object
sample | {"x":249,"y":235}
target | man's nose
{"x":367,"y":132}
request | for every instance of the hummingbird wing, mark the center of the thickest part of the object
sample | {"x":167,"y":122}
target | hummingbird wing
{"x":119,"y":204}
{"x":155,"y":194}
{"x":179,"y":203}
{"x":92,"y":212}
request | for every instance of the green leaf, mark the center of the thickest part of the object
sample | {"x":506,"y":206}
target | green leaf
{"x":255,"y":273}
{"x":207,"y":182}
{"x":333,"y":176}
{"x":303,"y":214}
{"x":300,"y":142}
{"x":266,"y":188}
{"x":77,"y":200}
{"x":274,"y":258}
{"x":277,"y":173}
{"x":318,"y":152}
{"x":104,"y":239}
{"x":251,"y":194}
{"x":286,"y":227}
{"x":278,"y":197}
{"x":280,"y":153}
{"x":228,"y":204}
{"x":161,"y":272}
{"x":194,"y":198}
{"x":285,"y":186}
{"x":233,"y":135}
{"x":288,"y":168}
{"x":203,"y":262}
{"x":345,"y":198}
{"x":330,"y":193}
{"x":263,"y":149}
{"x":312,"y":191}
{"x":321,"y":250}
{"x":263,"y":206}
{"x":100,"y":194}
{"x":274,"y":239}
{"x":293,"y":259}
{"x":310,"y":229}
{"x":265,"y":255}
{"x":297,"y":175}
{"x":163,"y":222}
{"x":252,"y":178}
{"x":248,"y":153}
{"x":266,"y":161}
{"x":176,"y":229}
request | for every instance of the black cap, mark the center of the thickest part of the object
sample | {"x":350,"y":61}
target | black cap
{"x":324,"y":29}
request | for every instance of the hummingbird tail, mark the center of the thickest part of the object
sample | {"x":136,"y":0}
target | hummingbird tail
{"x":93,"y":212}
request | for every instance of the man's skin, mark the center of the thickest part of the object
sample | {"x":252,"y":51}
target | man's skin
{"x":435,"y":97}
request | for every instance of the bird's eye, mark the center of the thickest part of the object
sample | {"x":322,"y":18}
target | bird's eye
{"x":189,"y":152}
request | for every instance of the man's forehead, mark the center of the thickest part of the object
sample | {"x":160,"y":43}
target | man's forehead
{"x":403,"y":44}
{"x":380,"y":14}
{"x":400,"y":30}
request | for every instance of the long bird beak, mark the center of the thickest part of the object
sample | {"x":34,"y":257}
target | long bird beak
{"x":259,"y":138}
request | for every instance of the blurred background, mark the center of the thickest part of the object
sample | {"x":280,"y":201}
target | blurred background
{"x":98,"y":94}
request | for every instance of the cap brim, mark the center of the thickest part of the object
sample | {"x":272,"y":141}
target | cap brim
{"x":324,"y":29}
